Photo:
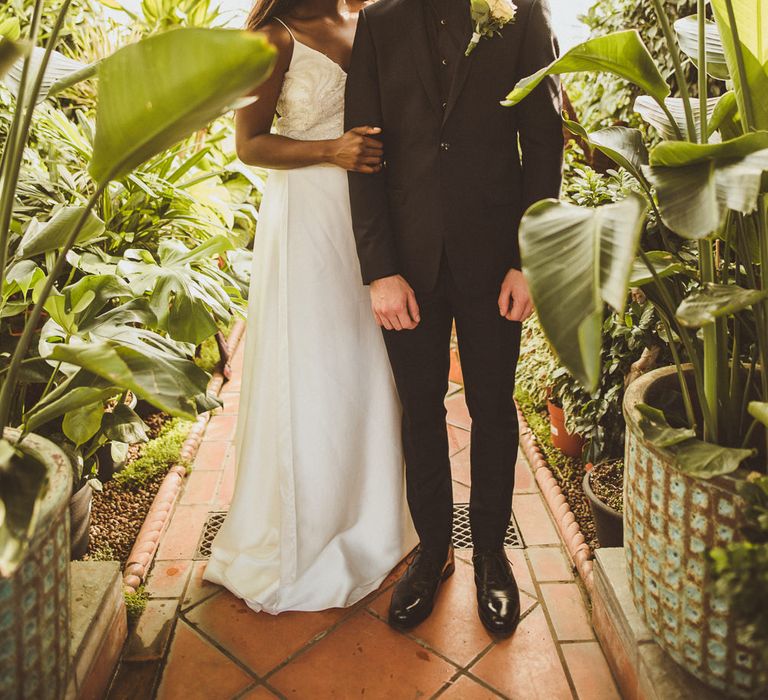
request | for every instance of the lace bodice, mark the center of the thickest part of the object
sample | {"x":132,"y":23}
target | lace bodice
{"x":311,"y":103}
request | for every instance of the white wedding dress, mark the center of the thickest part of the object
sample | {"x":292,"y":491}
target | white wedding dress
{"x":318,"y":517}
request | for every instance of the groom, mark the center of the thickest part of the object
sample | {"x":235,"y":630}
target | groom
{"x":436,"y":233}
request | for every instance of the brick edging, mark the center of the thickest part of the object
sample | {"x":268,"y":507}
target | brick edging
{"x":575,"y":543}
{"x":148,"y":539}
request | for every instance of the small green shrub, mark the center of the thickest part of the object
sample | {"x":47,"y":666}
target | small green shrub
{"x":157,"y":456}
{"x":209,"y":356}
{"x":135,"y":604}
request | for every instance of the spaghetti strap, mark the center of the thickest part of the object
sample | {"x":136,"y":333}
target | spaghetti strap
{"x":288,"y":29}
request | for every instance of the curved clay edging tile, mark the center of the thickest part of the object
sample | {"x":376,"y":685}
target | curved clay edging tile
{"x":148,"y":539}
{"x":570,"y":532}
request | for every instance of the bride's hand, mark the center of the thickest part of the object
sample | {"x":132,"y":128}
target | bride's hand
{"x":357,"y":151}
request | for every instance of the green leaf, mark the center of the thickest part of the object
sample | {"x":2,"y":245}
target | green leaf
{"x":693,"y":198}
{"x":752,"y":24}
{"x":161,"y":89}
{"x":687,"y":30}
{"x":66,"y":399}
{"x":655,"y":428}
{"x":681,"y":153}
{"x":724,"y":117}
{"x":60,"y":69}
{"x":688,"y":454}
{"x":653,"y":114}
{"x":23,"y":484}
{"x":623,"y":54}
{"x":712,"y":301}
{"x":81,"y":424}
{"x":664,"y":264}
{"x":41,"y":238}
{"x":622,"y":145}
{"x":759,"y":410}
{"x":575,"y":259}
{"x":124,"y":425}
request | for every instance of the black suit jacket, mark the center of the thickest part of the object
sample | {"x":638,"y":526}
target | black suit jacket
{"x":457,"y":177}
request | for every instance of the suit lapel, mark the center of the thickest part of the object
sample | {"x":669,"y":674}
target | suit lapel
{"x":462,"y":70}
{"x":416,"y":29}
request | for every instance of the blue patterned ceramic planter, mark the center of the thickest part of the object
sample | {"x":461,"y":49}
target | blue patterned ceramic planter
{"x":671,"y":521}
{"x":34,"y":602}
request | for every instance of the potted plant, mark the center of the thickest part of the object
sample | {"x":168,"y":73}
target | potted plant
{"x":693,"y":428}
{"x":151,"y":94}
{"x":603,"y":487}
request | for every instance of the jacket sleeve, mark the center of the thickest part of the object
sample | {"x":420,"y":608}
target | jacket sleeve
{"x":368,"y":193}
{"x":539,"y":114}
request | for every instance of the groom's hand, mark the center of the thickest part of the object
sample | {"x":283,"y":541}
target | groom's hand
{"x":394,"y":304}
{"x":515,"y":302}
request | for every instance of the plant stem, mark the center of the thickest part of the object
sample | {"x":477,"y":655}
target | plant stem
{"x":702,"y":20}
{"x":762,"y":341}
{"x":674,"y":53}
{"x":744,"y":96}
{"x":19,"y":353}
{"x":707,"y":267}
{"x":690,"y":415}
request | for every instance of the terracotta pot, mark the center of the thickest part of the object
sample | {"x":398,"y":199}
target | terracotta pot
{"x":34,"y":601}
{"x":671,"y":522}
{"x":570,"y":444}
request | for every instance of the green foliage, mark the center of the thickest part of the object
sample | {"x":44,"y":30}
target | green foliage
{"x":156,"y":457}
{"x":536,"y":365}
{"x":135,"y":604}
{"x":209,"y":357}
{"x":741,"y":569}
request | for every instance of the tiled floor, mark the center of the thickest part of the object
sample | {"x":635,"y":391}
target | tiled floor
{"x":197,"y":641}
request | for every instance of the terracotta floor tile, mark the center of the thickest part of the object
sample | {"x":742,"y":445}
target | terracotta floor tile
{"x":458,"y":439}
{"x":465,"y":688}
{"x":231,"y":400}
{"x":589,"y":671}
{"x":524,"y":481}
{"x":460,"y":467}
{"x":260,"y":693}
{"x":200,"y":487}
{"x":453,"y":628}
{"x":534,"y":520}
{"x":363,"y":657}
{"x":526,"y":666}
{"x":549,"y":564}
{"x":458,"y":413}
{"x":181,"y":538}
{"x":221,"y":428}
{"x":149,"y":639}
{"x":198,"y":590}
{"x":460,"y":493}
{"x":259,"y":640}
{"x":226,"y":487}
{"x":211,"y":455}
{"x":195,"y":670}
{"x":567,"y":611}
{"x":234,"y":384}
{"x":168,"y":578}
{"x":521,"y":570}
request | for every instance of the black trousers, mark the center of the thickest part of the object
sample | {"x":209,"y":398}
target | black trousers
{"x":489,"y":346}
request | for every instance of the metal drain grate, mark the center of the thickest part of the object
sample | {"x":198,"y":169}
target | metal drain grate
{"x":212,"y":526}
{"x":462,"y":533}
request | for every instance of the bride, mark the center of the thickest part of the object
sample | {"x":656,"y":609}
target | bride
{"x":318,"y":518}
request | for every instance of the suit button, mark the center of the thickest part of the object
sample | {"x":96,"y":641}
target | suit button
{"x":445,"y":61}
{"x":443,"y":22}
{"x":445,"y":104}
{"x":445,"y":146}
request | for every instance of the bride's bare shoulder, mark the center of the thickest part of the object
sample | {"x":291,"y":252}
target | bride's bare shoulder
{"x":277,"y":34}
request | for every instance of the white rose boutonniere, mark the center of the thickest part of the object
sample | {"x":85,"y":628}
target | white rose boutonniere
{"x":488,"y":18}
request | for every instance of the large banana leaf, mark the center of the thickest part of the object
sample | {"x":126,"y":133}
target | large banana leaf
{"x":575,"y":259}
{"x":759,"y":410}
{"x":697,"y":183}
{"x":654,"y":115}
{"x":59,"y":70}
{"x":40,"y":238}
{"x":752,"y":25}
{"x":623,"y":54}
{"x":705,"y":305}
{"x":159,"y":90}
{"x":687,"y":29}
{"x":10,"y":52}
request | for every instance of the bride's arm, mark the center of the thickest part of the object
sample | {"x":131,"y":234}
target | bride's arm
{"x":355,"y":150}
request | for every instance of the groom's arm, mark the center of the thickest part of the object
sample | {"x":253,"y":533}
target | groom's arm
{"x":539,"y":115}
{"x":368,"y":194}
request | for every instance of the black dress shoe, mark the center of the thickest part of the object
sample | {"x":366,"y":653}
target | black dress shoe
{"x":414,"y":594}
{"x":498,"y":600}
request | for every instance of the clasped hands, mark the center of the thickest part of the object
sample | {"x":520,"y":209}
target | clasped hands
{"x":395,"y":308}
